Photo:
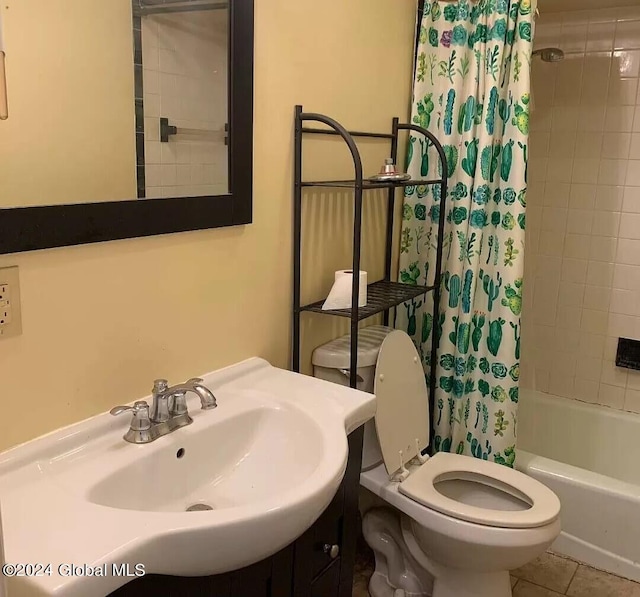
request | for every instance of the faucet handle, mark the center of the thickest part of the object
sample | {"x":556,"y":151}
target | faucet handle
{"x":140,"y":410}
{"x":194,"y":380}
{"x":139,"y":431}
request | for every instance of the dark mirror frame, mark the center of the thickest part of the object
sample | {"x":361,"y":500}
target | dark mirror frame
{"x":42,"y":227}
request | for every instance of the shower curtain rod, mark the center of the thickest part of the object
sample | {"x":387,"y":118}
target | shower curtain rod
{"x":142,"y":9}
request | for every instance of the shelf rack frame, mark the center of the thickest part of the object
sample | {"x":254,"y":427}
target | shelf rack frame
{"x":383,"y":294}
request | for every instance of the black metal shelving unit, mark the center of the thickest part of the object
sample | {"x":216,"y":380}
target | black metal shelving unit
{"x":384,"y":294}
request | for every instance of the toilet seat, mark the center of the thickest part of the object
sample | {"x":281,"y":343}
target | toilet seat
{"x":511,"y":499}
{"x":540,"y":505}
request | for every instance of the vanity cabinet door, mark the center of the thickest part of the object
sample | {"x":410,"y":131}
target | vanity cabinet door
{"x":328,"y":583}
{"x":316,"y":572}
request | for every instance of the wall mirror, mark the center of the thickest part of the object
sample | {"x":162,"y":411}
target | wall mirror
{"x":123,"y":118}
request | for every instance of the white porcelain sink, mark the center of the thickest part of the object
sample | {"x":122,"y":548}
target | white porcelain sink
{"x":265,"y":464}
{"x":250,"y":457}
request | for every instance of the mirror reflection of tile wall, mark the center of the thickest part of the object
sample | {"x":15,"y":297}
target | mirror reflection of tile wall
{"x":184,"y":56}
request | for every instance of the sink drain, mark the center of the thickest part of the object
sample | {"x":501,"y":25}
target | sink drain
{"x":199,"y":508}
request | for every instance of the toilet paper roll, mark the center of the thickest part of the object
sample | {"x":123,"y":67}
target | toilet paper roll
{"x":340,"y":295}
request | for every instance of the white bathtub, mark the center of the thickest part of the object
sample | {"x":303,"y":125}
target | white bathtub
{"x":590,"y":456}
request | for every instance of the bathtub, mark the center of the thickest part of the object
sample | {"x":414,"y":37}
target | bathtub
{"x":590,"y":457}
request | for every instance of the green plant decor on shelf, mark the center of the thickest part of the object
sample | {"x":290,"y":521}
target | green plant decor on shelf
{"x":472,"y":91}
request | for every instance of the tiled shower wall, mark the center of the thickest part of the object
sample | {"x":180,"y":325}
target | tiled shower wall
{"x":184,"y":56}
{"x":582,"y":268}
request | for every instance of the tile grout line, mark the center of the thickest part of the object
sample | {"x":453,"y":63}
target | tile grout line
{"x":572,"y":576}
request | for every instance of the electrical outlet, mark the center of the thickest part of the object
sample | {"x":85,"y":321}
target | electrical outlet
{"x":10,"y":316}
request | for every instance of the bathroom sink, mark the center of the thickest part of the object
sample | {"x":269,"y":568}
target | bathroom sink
{"x":254,"y":457}
{"x":237,"y":485}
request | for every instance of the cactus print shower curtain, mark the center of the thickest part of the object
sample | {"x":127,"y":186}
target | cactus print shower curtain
{"x":471,"y":89}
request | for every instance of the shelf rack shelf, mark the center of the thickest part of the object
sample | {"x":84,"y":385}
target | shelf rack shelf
{"x":381,"y":296}
{"x":385,"y":294}
{"x":367,"y":184}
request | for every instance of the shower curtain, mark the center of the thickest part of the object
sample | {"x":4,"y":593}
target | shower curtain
{"x":471,"y":89}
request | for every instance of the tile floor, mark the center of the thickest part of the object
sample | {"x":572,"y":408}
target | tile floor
{"x":548,"y":576}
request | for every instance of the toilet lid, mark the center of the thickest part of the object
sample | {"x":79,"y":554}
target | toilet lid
{"x":402,"y":405}
{"x":519,"y":501}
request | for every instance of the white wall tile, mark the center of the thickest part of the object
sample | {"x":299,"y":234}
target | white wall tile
{"x":571,"y":294}
{"x":612,"y":375}
{"x":588,"y":144}
{"x":633,"y":380}
{"x":616,"y":145}
{"x":631,"y":200}
{"x":599,"y":273}
{"x":560,"y":170}
{"x":600,"y":37}
{"x":585,"y":170}
{"x":632,"y":400}
{"x":557,"y":195}
{"x":633,"y":173}
{"x":589,"y":368}
{"x":628,"y":252}
{"x":624,"y":302}
{"x":597,"y":297}
{"x":627,"y":35}
{"x":623,"y":92}
{"x":606,"y":223}
{"x":611,"y":396}
{"x":591,"y":345}
{"x":579,"y":221}
{"x":585,"y":390}
{"x":627,"y":63}
{"x":603,"y":248}
{"x":610,"y":345}
{"x":552,"y":243}
{"x":562,"y":144}
{"x":630,"y":226}
{"x":594,"y":322}
{"x":619,"y":119}
{"x":619,"y":325}
{"x":626,"y":277}
{"x":612,"y":172}
{"x":582,"y":196}
{"x":609,"y":198}
{"x":574,"y":270}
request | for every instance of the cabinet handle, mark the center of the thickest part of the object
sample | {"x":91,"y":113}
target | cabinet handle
{"x":333,"y":551}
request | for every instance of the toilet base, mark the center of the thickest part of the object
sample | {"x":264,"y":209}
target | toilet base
{"x":399,"y":574}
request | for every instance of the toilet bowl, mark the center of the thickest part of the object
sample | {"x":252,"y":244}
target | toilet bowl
{"x":461,"y":523}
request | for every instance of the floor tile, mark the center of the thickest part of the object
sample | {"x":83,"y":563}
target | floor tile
{"x":548,"y":571}
{"x":589,"y":582}
{"x":527,"y":589}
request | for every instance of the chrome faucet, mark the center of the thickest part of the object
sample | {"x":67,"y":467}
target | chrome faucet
{"x":168,"y":410}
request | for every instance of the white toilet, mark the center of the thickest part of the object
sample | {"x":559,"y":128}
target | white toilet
{"x":463,"y":523}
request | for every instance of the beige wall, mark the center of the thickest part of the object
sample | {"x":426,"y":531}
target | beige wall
{"x":100,"y":322}
{"x":70,"y":133}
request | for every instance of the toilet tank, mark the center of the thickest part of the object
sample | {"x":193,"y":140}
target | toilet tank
{"x":331,"y":361}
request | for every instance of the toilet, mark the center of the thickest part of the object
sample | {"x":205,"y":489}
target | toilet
{"x":455,"y":525}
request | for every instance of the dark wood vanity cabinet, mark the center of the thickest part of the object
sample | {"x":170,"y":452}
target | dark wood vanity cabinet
{"x":318,"y":564}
